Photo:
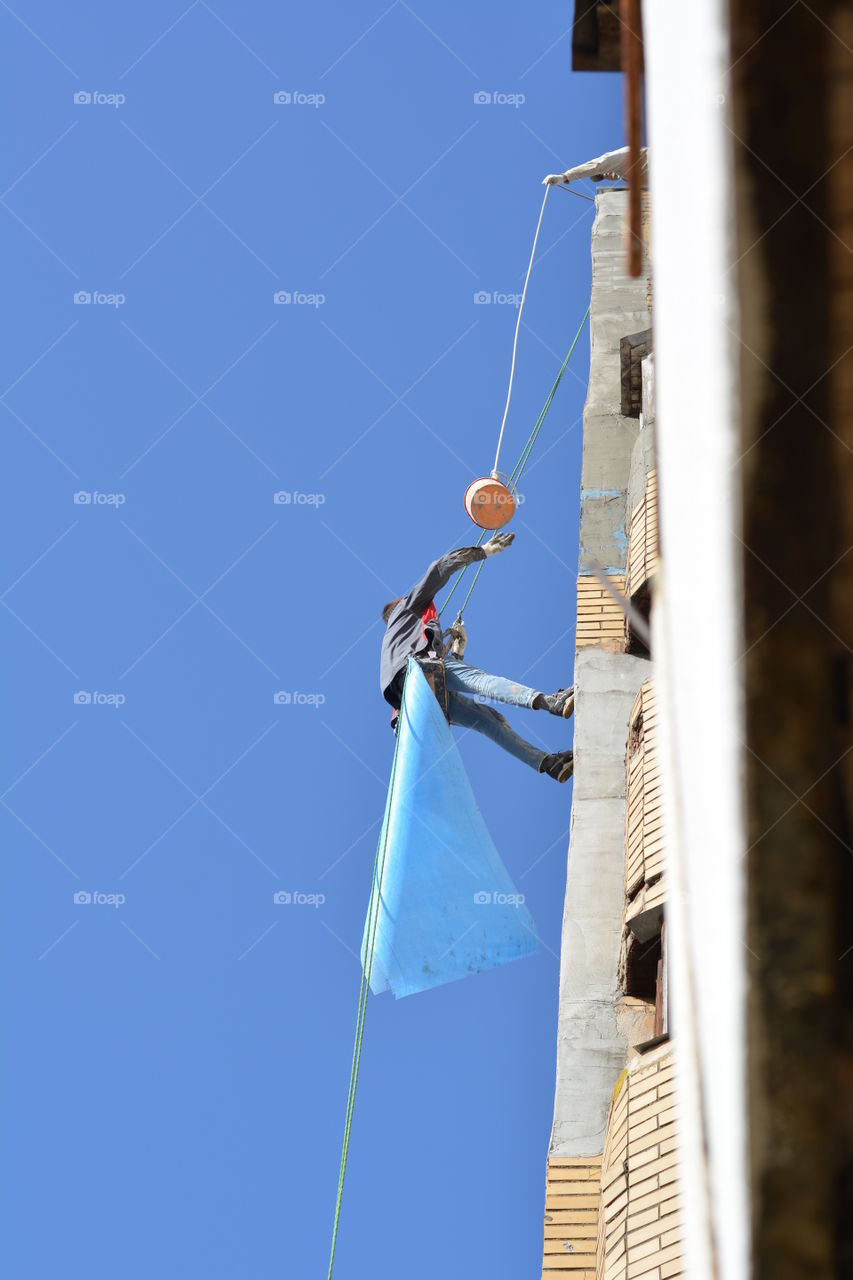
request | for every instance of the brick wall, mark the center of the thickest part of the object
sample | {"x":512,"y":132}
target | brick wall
{"x":643,"y":551}
{"x":572,"y":1199}
{"x":644,"y":886}
{"x":600,"y":619}
{"x":640,"y":1229}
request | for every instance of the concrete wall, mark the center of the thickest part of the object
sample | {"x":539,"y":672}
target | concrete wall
{"x":595,"y":1022}
{"x":618,"y":308}
{"x":591,"y":1044}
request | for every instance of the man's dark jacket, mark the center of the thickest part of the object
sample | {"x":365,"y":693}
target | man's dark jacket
{"x":413,"y":626}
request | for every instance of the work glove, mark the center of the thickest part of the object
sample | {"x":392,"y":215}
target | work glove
{"x":498,"y":542}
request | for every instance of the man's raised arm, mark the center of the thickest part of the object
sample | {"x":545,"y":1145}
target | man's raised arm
{"x":441,"y":571}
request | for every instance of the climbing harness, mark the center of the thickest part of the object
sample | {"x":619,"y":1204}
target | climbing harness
{"x":491,"y":500}
{"x":453,"y":642}
{"x":436,"y":677}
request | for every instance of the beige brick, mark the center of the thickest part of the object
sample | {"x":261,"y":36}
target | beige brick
{"x":670,"y":1204}
{"x":673,"y":1236}
{"x":652,"y":1198}
{"x":662,"y":1256}
{"x":571,"y":1231}
{"x":640,"y":1130}
{"x":579,"y":1248}
{"x":610,"y":1210}
{"x":643,"y":1188}
{"x":671,"y":1269}
{"x":657,"y":1166}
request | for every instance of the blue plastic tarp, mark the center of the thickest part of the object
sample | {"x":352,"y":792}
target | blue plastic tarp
{"x":447,"y":906}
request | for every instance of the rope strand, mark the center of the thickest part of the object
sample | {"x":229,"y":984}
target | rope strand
{"x":517,"y":327}
{"x":523,"y":460}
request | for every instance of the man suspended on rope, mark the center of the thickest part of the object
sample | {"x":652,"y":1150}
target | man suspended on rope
{"x":413,"y":629}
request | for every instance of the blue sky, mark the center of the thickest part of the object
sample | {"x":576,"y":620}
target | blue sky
{"x":177,"y":1049}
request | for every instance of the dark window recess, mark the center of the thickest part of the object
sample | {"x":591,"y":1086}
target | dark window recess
{"x":641,"y":968}
{"x":662,"y":989}
{"x":596,"y":36}
{"x":655,"y":989}
{"x":642,"y":602}
{"x":637,"y":735}
{"x":632,"y":352}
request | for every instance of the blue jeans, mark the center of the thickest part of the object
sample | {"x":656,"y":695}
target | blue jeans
{"x":469,"y":714}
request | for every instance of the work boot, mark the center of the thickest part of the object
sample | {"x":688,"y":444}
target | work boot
{"x":559,"y":766}
{"x":561,"y":703}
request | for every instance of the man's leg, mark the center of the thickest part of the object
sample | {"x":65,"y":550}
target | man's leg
{"x":464,"y":679}
{"x":486,"y":720}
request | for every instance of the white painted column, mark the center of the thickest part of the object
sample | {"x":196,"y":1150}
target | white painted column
{"x":698,"y":614}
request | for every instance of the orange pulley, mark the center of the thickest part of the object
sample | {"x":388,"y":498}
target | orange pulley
{"x":491,"y":501}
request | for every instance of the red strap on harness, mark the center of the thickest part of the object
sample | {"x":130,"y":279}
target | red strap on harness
{"x":430,"y":614}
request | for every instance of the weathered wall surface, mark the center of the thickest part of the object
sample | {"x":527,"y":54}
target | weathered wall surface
{"x":591,"y":1050}
{"x":618,"y":308}
{"x":592,"y":1028}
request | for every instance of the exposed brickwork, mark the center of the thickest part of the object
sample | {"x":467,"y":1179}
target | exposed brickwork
{"x":643,"y":550}
{"x":640,"y":1230}
{"x":572,"y":1199}
{"x":600,"y":619}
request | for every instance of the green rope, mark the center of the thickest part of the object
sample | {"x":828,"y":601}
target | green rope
{"x":518,"y":469}
{"x":366,"y":972}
